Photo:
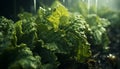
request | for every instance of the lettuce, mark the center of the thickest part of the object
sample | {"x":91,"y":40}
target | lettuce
{"x":49,"y":39}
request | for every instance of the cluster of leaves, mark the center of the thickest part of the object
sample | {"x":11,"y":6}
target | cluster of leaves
{"x":49,"y":39}
{"x":114,"y":38}
{"x":100,"y":32}
{"x":98,"y":26}
{"x":114,"y":28}
{"x":12,"y":55}
{"x":98,"y":37}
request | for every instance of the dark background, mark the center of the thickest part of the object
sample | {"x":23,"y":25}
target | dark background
{"x":10,"y":8}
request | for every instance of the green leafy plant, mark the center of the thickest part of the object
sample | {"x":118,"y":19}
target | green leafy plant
{"x":43,"y":40}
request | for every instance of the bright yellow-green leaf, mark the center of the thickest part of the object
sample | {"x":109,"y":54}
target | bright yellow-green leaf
{"x":58,"y":11}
